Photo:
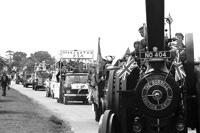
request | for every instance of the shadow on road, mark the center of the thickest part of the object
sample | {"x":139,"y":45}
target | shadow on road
{"x":10,"y":112}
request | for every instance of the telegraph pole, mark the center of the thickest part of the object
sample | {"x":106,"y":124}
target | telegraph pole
{"x":10,"y":54}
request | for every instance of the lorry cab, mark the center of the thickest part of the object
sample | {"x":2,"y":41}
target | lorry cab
{"x":75,"y":87}
{"x":27,"y":80}
{"x":39,"y":80}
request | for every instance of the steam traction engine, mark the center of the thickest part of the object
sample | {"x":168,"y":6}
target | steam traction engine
{"x":153,"y":92}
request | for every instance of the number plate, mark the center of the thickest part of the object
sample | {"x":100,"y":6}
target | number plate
{"x":81,"y":94}
{"x":159,"y":54}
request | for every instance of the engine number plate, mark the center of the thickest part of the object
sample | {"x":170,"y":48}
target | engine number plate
{"x":151,"y":54}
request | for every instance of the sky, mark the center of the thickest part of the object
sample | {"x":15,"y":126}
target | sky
{"x":54,"y":25}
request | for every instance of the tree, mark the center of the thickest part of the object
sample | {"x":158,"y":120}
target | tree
{"x":10,"y":54}
{"x":19,"y":59}
{"x":43,"y":56}
{"x":30,"y":63}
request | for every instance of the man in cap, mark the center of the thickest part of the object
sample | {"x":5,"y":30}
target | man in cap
{"x":179,"y":41}
{"x":4,"y":83}
{"x":144,"y":43}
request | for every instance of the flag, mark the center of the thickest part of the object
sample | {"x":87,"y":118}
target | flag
{"x":99,"y":59}
{"x":127,"y":68}
{"x":179,"y":70}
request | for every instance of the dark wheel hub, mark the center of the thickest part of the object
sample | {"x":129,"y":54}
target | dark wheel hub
{"x":157,"y":94}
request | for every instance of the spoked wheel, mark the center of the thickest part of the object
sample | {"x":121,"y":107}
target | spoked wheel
{"x":109,"y":123}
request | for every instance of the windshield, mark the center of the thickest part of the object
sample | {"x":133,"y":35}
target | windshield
{"x":28,"y":76}
{"x":75,"y":79}
{"x":42,"y":74}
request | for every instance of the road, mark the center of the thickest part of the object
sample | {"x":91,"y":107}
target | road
{"x":19,"y":114}
{"x":80,"y":117}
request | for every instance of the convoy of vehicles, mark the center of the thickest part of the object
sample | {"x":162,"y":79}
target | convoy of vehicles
{"x":153,"y":91}
{"x":67,"y":81}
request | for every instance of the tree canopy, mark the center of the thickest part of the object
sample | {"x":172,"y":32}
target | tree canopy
{"x":19,"y":58}
{"x":21,"y":61}
{"x":43,"y":56}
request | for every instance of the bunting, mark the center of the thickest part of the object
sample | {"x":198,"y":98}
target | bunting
{"x":179,"y":70}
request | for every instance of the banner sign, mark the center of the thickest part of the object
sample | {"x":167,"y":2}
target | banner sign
{"x":77,"y":54}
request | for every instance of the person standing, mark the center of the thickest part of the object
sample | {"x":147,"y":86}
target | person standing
{"x":143,"y":34}
{"x":92,"y":83}
{"x":4,"y":83}
{"x":179,"y":41}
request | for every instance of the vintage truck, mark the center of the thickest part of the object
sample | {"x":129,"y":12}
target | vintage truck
{"x":75,"y":87}
{"x":27,"y":79}
{"x":39,"y":79}
{"x":69,"y":82}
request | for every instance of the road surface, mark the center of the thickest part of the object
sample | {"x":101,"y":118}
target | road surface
{"x":80,"y":117}
{"x":19,"y":114}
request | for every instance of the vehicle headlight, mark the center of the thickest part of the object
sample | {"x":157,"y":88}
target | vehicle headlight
{"x":68,"y":91}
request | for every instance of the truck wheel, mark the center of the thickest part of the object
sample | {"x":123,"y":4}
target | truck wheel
{"x":109,"y":123}
{"x":47,"y":94}
{"x":36,"y":88}
{"x":65,"y":100}
{"x":52,"y":95}
{"x":85,"y":101}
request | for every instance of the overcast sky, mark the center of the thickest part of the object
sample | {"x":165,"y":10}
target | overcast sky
{"x":54,"y":25}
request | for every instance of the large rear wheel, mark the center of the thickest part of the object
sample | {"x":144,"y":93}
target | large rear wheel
{"x":109,"y":123}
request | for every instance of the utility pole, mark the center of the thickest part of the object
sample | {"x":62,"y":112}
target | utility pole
{"x":10,"y":56}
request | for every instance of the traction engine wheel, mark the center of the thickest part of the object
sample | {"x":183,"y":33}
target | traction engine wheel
{"x":103,"y":105}
{"x":108,"y":123}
